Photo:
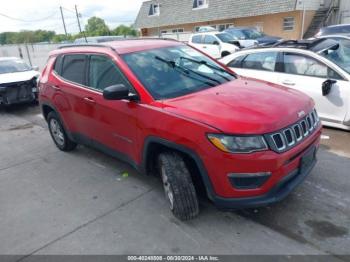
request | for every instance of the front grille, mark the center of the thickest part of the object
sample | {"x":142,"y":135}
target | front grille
{"x":289,"y":137}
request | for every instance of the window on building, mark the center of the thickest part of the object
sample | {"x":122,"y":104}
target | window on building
{"x":200,"y":4}
{"x":154,"y":9}
{"x":288,"y":23}
{"x":164,"y":32}
{"x":178,"y":30}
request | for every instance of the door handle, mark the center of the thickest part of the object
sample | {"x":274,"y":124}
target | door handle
{"x":204,"y":47}
{"x":57,"y":88}
{"x":288,"y":83}
{"x":89,"y":100}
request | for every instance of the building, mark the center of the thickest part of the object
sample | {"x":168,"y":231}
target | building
{"x":289,"y":19}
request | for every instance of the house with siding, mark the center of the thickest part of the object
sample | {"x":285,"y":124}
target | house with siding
{"x":289,"y":19}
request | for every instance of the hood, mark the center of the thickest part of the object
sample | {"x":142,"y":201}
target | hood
{"x":243,"y":106}
{"x":18,"y":76}
{"x":268,"y":39}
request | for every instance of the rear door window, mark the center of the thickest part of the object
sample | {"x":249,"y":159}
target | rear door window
{"x":58,"y":64}
{"x":265,"y":61}
{"x":298,"y":64}
{"x":73,"y":68}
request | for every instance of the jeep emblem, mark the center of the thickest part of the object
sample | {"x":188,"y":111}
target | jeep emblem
{"x":301,"y":114}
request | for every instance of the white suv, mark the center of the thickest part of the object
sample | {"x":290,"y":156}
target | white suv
{"x":215,"y":44}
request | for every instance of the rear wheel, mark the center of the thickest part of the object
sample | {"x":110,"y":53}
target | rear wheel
{"x":178,"y":186}
{"x":58,"y":133}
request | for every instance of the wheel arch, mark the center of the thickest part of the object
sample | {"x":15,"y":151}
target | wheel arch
{"x":153,"y":146}
{"x":47,"y":108}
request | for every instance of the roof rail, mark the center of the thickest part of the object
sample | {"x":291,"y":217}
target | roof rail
{"x":115,"y":40}
{"x":85,"y":45}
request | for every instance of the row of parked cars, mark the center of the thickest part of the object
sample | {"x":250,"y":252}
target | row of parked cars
{"x":219,"y":44}
{"x":319,"y":67}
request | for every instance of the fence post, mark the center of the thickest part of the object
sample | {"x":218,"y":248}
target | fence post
{"x":30,"y":61}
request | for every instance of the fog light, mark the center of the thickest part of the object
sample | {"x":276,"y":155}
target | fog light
{"x":248,"y":180}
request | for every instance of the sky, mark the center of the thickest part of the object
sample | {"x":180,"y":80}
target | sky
{"x":45,"y":14}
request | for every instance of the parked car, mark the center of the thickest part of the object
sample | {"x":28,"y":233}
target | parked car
{"x":214,"y":44}
{"x":171,"y":111}
{"x":334,"y":30}
{"x":251,"y":33}
{"x":319,"y":68}
{"x":18,"y":81}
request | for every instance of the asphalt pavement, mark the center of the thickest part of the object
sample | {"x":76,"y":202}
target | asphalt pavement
{"x":83,"y":202}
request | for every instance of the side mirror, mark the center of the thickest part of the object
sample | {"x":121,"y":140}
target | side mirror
{"x":216,"y":43}
{"x":35,"y":68}
{"x":327,"y":86}
{"x":117,"y":92}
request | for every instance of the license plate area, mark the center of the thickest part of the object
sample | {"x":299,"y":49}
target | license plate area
{"x":307,"y":159}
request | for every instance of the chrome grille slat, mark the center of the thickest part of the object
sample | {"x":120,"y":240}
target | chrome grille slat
{"x":289,"y":137}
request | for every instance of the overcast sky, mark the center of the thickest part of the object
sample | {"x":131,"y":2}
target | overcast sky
{"x":45,"y":14}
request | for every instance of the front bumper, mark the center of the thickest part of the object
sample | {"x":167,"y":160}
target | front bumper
{"x":280,"y":191}
{"x":284,"y":169}
{"x":16,"y":93}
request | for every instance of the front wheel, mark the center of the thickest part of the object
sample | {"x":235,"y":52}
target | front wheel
{"x":58,"y":133}
{"x":178,"y":186}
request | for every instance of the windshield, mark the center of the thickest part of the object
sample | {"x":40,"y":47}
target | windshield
{"x":176,"y":71}
{"x":252,"y":33}
{"x":13,"y":66}
{"x":226,"y":38}
{"x":339,"y":54}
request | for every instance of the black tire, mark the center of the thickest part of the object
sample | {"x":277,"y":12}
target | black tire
{"x":177,"y":179}
{"x":63,"y":143}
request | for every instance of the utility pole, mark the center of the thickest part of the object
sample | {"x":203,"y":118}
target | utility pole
{"x":64,"y":24}
{"x":77,"y":14}
{"x":303,"y":21}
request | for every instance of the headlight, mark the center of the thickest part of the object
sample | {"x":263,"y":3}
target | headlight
{"x":238,"y":144}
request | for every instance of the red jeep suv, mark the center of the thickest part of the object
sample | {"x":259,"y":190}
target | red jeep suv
{"x":168,"y":109}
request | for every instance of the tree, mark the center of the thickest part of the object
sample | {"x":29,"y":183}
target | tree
{"x":124,"y":31}
{"x":96,"y":27}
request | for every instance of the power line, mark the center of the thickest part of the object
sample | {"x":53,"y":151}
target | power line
{"x":69,"y":10}
{"x":29,"y":21}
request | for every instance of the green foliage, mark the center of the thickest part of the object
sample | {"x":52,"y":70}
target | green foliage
{"x":26,"y":37}
{"x":96,"y":27}
{"x":124,"y":30}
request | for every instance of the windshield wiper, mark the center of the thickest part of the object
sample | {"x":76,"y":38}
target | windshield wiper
{"x":182,"y":70}
{"x":187,"y":70}
{"x":203,"y":62}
